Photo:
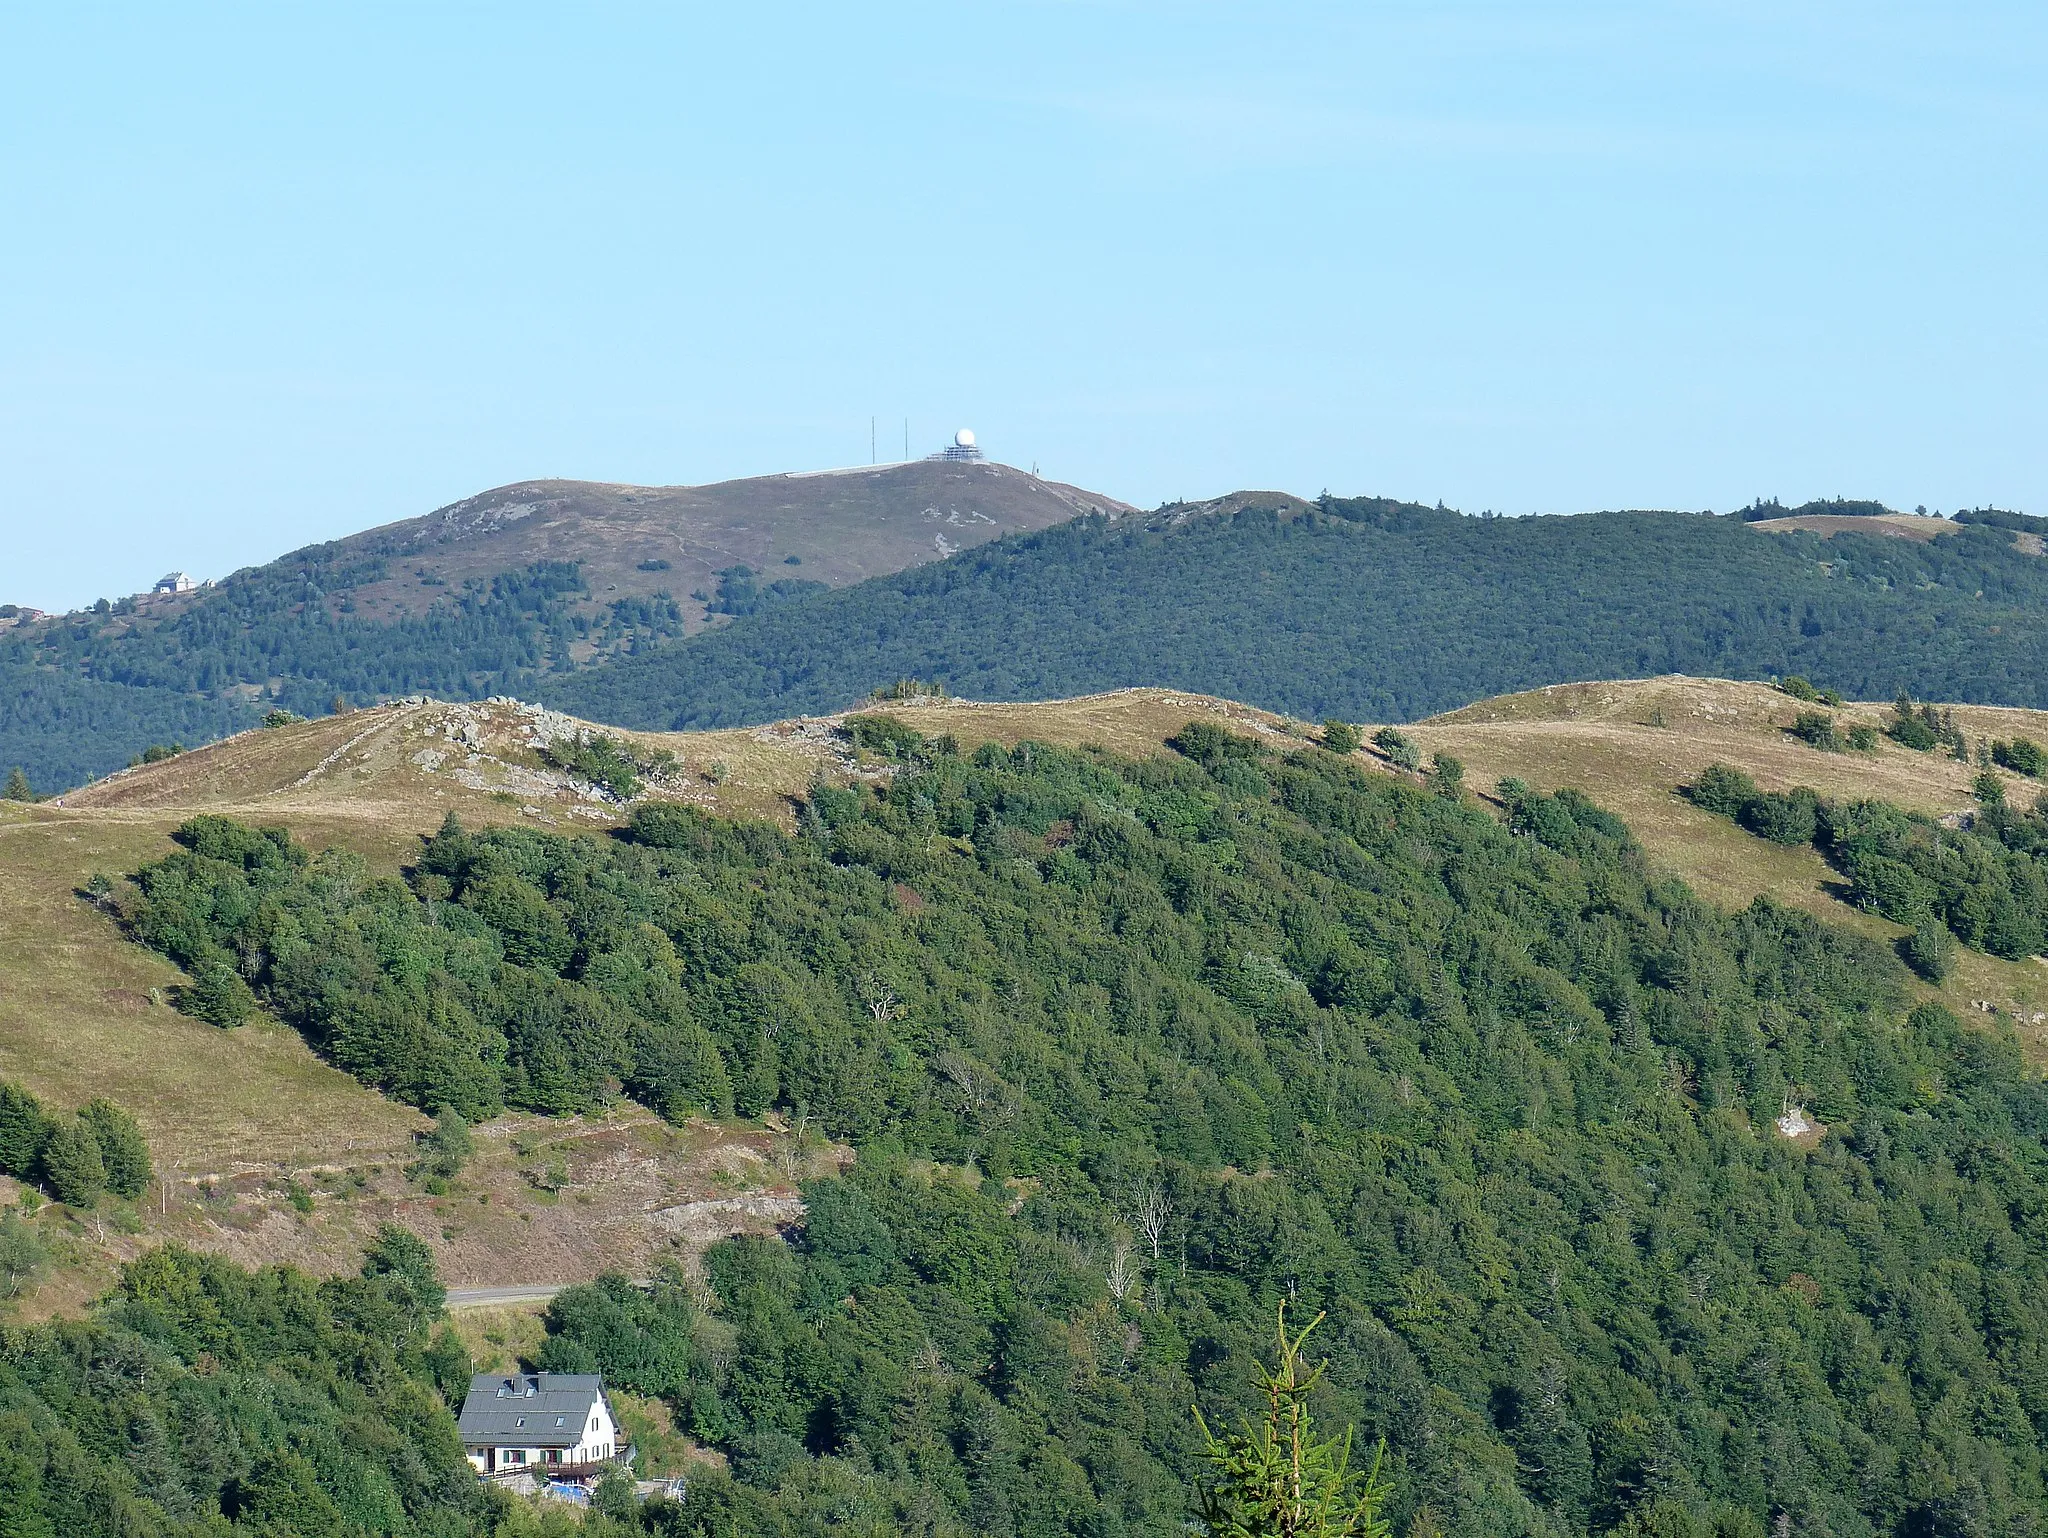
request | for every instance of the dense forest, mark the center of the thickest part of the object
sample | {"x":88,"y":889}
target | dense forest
{"x":205,"y":1401}
{"x":82,"y":694}
{"x":1372,"y":610}
{"x":1134,"y":1052}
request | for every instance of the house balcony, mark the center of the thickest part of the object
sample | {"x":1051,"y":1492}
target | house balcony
{"x":560,"y":1473}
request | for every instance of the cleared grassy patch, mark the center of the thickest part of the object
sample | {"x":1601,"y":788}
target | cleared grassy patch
{"x":502,"y":1338}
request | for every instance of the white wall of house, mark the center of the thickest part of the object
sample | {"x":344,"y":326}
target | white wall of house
{"x":599,"y":1440}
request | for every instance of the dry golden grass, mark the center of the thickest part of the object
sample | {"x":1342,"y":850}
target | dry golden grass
{"x":363,"y":769}
{"x":82,"y":1013}
{"x":75,"y":1016}
{"x":1894,"y":525}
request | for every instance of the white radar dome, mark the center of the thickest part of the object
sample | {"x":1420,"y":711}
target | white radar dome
{"x":964,"y":438}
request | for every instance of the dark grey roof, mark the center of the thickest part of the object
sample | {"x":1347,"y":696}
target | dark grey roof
{"x":499,"y":1403}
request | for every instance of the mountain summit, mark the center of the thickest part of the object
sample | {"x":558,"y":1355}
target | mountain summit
{"x":829,"y":527}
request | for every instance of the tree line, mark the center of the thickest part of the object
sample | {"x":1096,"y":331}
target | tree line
{"x":1363,"y":608}
{"x":1981,"y":881}
{"x":74,"y":1157}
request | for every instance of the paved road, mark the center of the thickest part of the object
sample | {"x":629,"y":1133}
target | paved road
{"x":487,"y":1297}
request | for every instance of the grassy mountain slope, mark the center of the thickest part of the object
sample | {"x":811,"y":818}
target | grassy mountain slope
{"x":1632,"y":745}
{"x":1136,"y":1046}
{"x":1374,"y":610}
{"x":477,"y":599}
{"x":86,"y":1012}
{"x":842,"y":526}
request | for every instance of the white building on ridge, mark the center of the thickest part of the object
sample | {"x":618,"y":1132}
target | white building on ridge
{"x":962,"y":448}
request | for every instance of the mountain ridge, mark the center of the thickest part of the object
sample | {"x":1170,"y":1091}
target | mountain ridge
{"x":1374,"y":608}
{"x":480,"y":597}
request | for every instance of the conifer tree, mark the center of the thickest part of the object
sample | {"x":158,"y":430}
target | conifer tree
{"x":72,"y":1166}
{"x":23,"y":1127}
{"x":1278,"y":1478}
{"x":122,"y":1149}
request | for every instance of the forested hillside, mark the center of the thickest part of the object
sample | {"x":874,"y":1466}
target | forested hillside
{"x":1132,"y":1052}
{"x":201,"y":1393}
{"x":1372,"y":610}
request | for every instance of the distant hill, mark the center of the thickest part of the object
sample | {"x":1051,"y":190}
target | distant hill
{"x":831,"y":527}
{"x":481,"y":597}
{"x":1373,"y":610}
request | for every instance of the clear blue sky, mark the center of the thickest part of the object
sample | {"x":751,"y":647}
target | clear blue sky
{"x":270,"y":274}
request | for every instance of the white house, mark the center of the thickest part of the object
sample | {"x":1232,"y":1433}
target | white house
{"x":558,"y":1422}
{"x":174,"y":582}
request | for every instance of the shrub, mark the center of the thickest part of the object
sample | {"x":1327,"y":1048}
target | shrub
{"x":18,"y":787}
{"x":1862,"y":739}
{"x":1398,"y":747}
{"x":884,"y":735}
{"x":602,"y":760}
{"x":1930,"y":949}
{"x":278,"y":718}
{"x":2021,"y":755}
{"x":1722,"y":790}
{"x":1446,"y":775}
{"x":22,"y":1254}
{"x":665,"y":825}
{"x":1211,"y":745}
{"x":446,"y":1146}
{"x":217,"y":994}
{"x":1912,"y":732}
{"x":616,"y":1496}
{"x":1817,"y":729}
{"x":1788,"y":818}
{"x":1890,"y":887}
{"x":1923,"y":729}
{"x":1798,"y":688}
{"x":1340,"y":737}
